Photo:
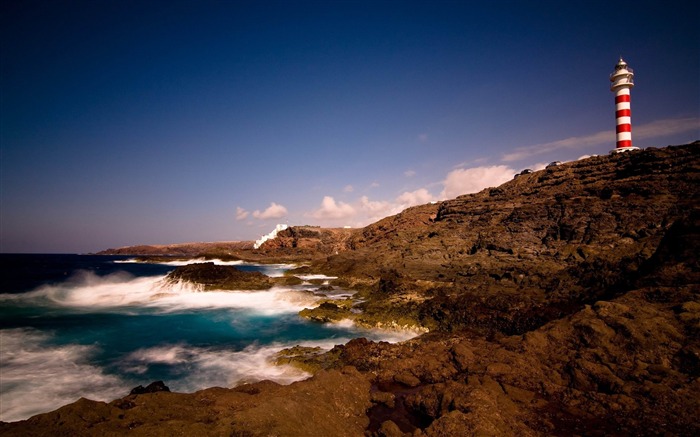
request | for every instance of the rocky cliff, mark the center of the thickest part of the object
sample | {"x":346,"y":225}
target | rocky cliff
{"x":309,"y":242}
{"x":511,"y":258}
{"x":564,"y":302}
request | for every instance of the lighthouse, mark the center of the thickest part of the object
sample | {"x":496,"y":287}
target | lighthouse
{"x":622,"y":81}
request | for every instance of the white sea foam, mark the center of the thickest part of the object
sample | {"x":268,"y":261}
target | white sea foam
{"x":270,"y":236}
{"x":277,"y":300}
{"x":38,"y":377}
{"x":88,"y":290}
{"x":209,"y":367}
{"x":394,"y":335}
{"x":121,"y":292}
{"x":179,"y":262}
{"x":126,"y":261}
{"x":315,"y":277}
{"x":376,"y":334}
{"x":272,"y":270}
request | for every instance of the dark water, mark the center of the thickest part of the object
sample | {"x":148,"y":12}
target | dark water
{"x":96,"y":326}
{"x":24,"y":272}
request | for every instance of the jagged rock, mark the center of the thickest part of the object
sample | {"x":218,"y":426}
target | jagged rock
{"x":389,"y":429}
{"x":216,"y":277}
{"x":153,"y":387}
{"x":309,"y":359}
{"x":329,"y":311}
{"x":311,"y":241}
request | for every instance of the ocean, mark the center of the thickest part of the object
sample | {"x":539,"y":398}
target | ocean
{"x":90,"y":326}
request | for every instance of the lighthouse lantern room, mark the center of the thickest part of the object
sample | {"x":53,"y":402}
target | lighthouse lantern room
{"x":622,"y":81}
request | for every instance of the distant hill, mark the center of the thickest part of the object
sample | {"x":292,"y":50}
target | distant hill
{"x":182,"y":249}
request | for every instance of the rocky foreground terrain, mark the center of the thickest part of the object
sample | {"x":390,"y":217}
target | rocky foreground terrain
{"x":564,"y":302}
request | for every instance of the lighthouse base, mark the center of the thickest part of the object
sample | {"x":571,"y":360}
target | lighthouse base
{"x":624,"y":149}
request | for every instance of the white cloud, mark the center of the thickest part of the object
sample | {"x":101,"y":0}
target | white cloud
{"x":348,"y":189}
{"x":373,"y":210}
{"x":475,"y":179}
{"x":660,"y":128}
{"x":273,"y":211}
{"x":655,"y":129}
{"x":374,"y":185}
{"x":241,"y":214}
{"x":409,"y":173}
{"x":374,"y":206}
{"x":365,"y":211}
{"x":519,"y":153}
{"x":539,"y":166}
{"x":412,"y":198}
{"x":330,"y":209}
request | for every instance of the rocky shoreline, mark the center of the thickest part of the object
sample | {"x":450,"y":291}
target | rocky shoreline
{"x":564,"y":302}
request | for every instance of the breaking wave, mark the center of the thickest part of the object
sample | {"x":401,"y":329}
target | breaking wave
{"x":98,"y":336}
{"x":121,"y":292}
{"x":272,"y":270}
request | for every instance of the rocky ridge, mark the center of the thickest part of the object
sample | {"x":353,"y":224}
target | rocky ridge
{"x":564,"y":302}
{"x":199,"y":249}
{"x":511,"y":258}
{"x":294,"y":244}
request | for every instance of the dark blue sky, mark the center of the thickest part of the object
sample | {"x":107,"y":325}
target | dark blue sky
{"x":160,"y":122}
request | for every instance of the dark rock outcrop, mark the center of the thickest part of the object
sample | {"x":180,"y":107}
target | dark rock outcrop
{"x":210,"y":276}
{"x":308,"y":241}
{"x":153,"y":387}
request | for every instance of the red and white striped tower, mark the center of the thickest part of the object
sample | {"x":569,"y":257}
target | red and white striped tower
{"x":622,"y":81}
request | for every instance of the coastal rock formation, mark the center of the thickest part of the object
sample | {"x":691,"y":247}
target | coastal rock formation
{"x":310,"y":241}
{"x":564,"y":302}
{"x":210,"y":276}
{"x":509,"y":259}
{"x":331,"y":403}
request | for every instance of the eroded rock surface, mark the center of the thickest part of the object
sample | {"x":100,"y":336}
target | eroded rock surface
{"x":511,"y":258}
{"x":331,"y":403}
{"x":210,"y":276}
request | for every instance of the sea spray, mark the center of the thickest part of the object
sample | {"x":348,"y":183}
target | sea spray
{"x":272,"y":270}
{"x":270,"y":236}
{"x":121,"y":292}
{"x":38,"y":376}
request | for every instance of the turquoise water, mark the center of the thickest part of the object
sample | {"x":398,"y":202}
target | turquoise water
{"x":86,"y":326}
